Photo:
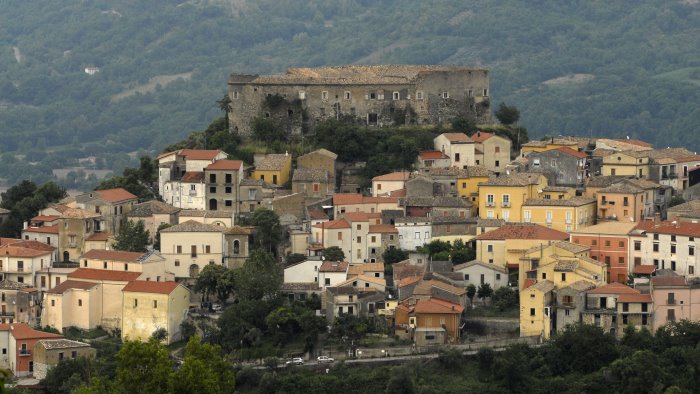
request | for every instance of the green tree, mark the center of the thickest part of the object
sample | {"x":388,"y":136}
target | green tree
{"x":204,"y":370}
{"x":471,"y":292}
{"x":156,"y":239}
{"x":507,"y":115}
{"x":333,"y":253}
{"x":143,"y":368}
{"x":676,"y":200}
{"x":224,"y":105}
{"x":132,"y":237}
{"x":394,"y":255}
{"x":464,"y":124}
{"x":215,"y":279}
{"x":401,"y":382}
{"x":269,"y":232}
{"x":504,"y":298}
{"x":485,"y":291}
{"x":640,"y":373}
{"x":294,"y":258}
{"x":68,"y":375}
{"x":580,"y":347}
{"x":268,"y":130}
{"x":260,"y":277}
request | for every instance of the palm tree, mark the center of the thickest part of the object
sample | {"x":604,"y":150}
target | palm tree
{"x":225,"y":106}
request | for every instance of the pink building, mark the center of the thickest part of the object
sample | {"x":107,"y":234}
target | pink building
{"x":674,"y":299}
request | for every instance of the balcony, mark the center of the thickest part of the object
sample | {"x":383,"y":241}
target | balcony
{"x":505,"y":204}
{"x":7,"y":314}
{"x":24,"y":352}
{"x":490,"y":204}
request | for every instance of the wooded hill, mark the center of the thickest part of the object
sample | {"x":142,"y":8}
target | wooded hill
{"x":575,"y":67}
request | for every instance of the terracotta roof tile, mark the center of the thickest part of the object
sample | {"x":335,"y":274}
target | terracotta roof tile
{"x":44,"y":229}
{"x":669,"y":227}
{"x":194,"y":154}
{"x":432,"y":155}
{"x":668,"y":281}
{"x":457,"y":137}
{"x":614,"y":288}
{"x":333,"y":224}
{"x":77,"y":213}
{"x":571,"y":152}
{"x":644,"y":269}
{"x":514,"y":179}
{"x":436,"y":305}
{"x":576,"y":201}
{"x":310,"y":175}
{"x":192,"y":177}
{"x":114,"y":196}
{"x":635,"y":298}
{"x":24,"y":331}
{"x":45,"y":218}
{"x":394,"y":176}
{"x":232,"y":165}
{"x":333,"y":266}
{"x":98,"y":237}
{"x":95,"y":274}
{"x":71,"y":284}
{"x":19,"y":251}
{"x":355,"y":199}
{"x":142,"y":286}
{"x":382,"y":228}
{"x":150,"y":208}
{"x":523,"y":231}
{"x":481,"y":136}
{"x":113,"y":255}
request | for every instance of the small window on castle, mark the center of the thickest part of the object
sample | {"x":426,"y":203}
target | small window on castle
{"x":396,"y":95}
{"x":322,"y":111}
{"x":445,"y":95}
{"x":302,"y":95}
{"x":486,"y":92}
{"x":347,"y":95}
{"x":324,"y":95}
{"x":234,"y":95}
{"x":419,"y":95}
{"x":372,"y":96}
{"x":470,"y":93}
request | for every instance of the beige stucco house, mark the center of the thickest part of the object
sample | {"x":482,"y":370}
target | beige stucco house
{"x":149,"y":306}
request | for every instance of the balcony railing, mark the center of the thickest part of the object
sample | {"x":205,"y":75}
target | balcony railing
{"x":490,"y":204}
{"x":505,"y":204}
{"x":25,"y":352}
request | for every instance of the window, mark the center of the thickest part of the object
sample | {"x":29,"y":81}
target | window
{"x":497,"y":149}
{"x":324,"y":95}
{"x":691,"y":250}
{"x":607,"y":261}
{"x":193,"y":251}
{"x":302,"y":95}
{"x":506,"y":215}
{"x":506,"y":200}
{"x":489,"y":200}
{"x":60,"y":355}
{"x":621,"y":244}
{"x":489,"y":248}
{"x":486,"y":92}
{"x":53,"y":302}
{"x":532,"y":311}
{"x":347,"y":95}
{"x":178,"y":248}
{"x":177,"y":263}
{"x":621,"y":260}
{"x":671,"y":300}
{"x":489,"y":214}
{"x":417,"y":235}
{"x":548,"y":217}
{"x":637,"y":245}
{"x":691,"y":270}
{"x":527,"y":216}
{"x":73,"y":354}
{"x":235,"y":95}
{"x":456,"y":156}
{"x":419,"y":95}
{"x":207,"y":249}
{"x":80,"y":302}
{"x":607,"y":242}
{"x":359,"y":240}
{"x":671,"y":315}
{"x":563,"y":276}
{"x":155,"y":303}
{"x":497,"y":163}
{"x":445,"y":95}
{"x":136,"y":302}
{"x":544,"y":275}
{"x":656,"y":247}
{"x":470,"y":93}
{"x":328,"y":281}
{"x":673,"y":248}
{"x":498,"y":276}
{"x":126,"y":267}
{"x":340,"y":236}
{"x":395,"y":95}
{"x":374,"y":238}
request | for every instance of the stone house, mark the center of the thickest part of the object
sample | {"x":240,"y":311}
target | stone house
{"x":477,"y":273}
{"x":348,"y":300}
{"x":374,"y":95}
{"x":154,"y":213}
{"x":614,"y":306}
{"x":113,"y":206}
{"x":567,"y":166}
{"x":320,"y":159}
{"x":49,"y":352}
{"x":428,"y":321}
{"x":380,"y":238}
{"x":255,"y":193}
{"x":223,"y":178}
{"x":75,"y":226}
{"x":18,"y":341}
{"x":238,"y":241}
{"x":312,"y":182}
{"x":432,"y":159}
{"x":570,"y":303}
{"x":19,"y":303}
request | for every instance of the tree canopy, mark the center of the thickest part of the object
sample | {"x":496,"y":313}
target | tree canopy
{"x":132,"y":237}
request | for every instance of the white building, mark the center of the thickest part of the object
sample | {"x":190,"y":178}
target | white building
{"x":478,"y":273}
{"x":181,"y":180}
{"x":413,"y":232}
{"x":666,"y":245}
{"x":458,"y":146}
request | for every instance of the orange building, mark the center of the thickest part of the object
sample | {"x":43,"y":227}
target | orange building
{"x":428,"y":322}
{"x":609,"y":244}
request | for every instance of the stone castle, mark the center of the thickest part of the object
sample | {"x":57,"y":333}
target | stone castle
{"x":375,"y":95}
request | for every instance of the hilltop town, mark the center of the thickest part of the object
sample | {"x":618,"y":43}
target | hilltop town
{"x":292,"y":258}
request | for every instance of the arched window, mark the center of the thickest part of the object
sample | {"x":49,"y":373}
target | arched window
{"x":66,"y":256}
{"x":194,"y":271}
{"x":236,"y":247}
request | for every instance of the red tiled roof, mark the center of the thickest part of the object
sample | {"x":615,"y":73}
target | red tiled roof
{"x":115,"y":195}
{"x":142,"y":286}
{"x":398,"y":193}
{"x":192,"y":177}
{"x":45,"y":218}
{"x":528,"y":282}
{"x":36,"y":245}
{"x":194,"y":154}
{"x":361,"y":216}
{"x":523,"y":231}
{"x":5,"y":241}
{"x":225,"y":165}
{"x":43,"y":230}
{"x":614,"y":288}
{"x":435,"y":305}
{"x":571,"y":152}
{"x":24,"y":331}
{"x":669,"y":227}
{"x":95,"y":274}
{"x":481,"y":136}
{"x":644,"y":269}
{"x":635,"y":142}
{"x":333,"y":266}
{"x":114,"y":255}
{"x":71,"y":284}
{"x":408,"y":281}
{"x":317,"y":214}
{"x":394,"y":176}
{"x":19,"y":251}
{"x":333,"y":224}
{"x":356,"y":198}
{"x":668,"y":281}
{"x":432,"y":155}
{"x":98,"y":237}
{"x":457,"y":137}
{"x":382,"y":228}
{"x":634,"y":298}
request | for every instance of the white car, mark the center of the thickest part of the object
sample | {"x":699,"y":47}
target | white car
{"x":325,"y":359}
{"x":295,"y":361}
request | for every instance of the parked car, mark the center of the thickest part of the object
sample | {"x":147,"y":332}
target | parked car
{"x":295,"y":361}
{"x":217,"y":308}
{"x":324,"y":359}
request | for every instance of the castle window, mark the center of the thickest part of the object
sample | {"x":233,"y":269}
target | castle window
{"x":324,"y":95}
{"x":486,"y":92}
{"x":347,"y":95}
{"x":372,"y":96}
{"x":419,"y":95}
{"x":396,"y":95}
{"x":445,"y":95}
{"x":470,"y":93}
{"x":235,"y":95}
{"x":323,"y":111}
{"x":302,"y":95}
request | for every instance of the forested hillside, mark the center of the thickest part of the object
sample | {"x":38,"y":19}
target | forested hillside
{"x":574,"y":67}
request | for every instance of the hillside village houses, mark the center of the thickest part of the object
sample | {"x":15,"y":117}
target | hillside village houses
{"x":578,"y":244}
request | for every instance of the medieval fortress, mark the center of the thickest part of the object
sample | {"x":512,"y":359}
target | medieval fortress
{"x":376,"y":95}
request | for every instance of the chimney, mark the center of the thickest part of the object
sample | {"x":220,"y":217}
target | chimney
{"x":478,"y":133}
{"x":657,"y":217}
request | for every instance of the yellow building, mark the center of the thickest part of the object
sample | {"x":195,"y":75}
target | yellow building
{"x":563,"y":215}
{"x":468,"y":182}
{"x":562,"y":263}
{"x":632,"y":163}
{"x":535,"y":310}
{"x":549,"y":144}
{"x":504,"y":246}
{"x":502,"y":197}
{"x":150,"y":306}
{"x":275,"y":169}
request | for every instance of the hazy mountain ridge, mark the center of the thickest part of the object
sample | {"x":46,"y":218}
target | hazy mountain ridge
{"x":643,"y":60}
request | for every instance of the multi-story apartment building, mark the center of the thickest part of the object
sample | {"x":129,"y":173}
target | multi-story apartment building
{"x":669,"y":245}
{"x":609,"y":244}
{"x":502,"y":197}
{"x":181,"y":180}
